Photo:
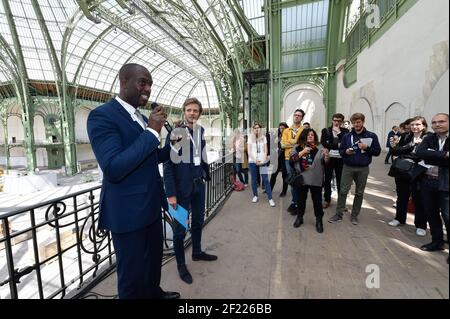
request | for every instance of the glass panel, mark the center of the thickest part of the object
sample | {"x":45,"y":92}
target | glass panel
{"x":303,"y":36}
{"x":253,"y":9}
{"x":95,"y":52}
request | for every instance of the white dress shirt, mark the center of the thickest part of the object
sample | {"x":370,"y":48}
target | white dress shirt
{"x":132,"y":111}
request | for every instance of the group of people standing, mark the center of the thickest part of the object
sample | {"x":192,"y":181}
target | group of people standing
{"x":428,"y":189}
{"x":133,"y":195}
{"x":346,"y":154}
{"x":303,"y":156}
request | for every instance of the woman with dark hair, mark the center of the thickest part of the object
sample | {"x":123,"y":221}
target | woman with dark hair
{"x":311,"y":161}
{"x":281,"y":165}
{"x":405,"y":188}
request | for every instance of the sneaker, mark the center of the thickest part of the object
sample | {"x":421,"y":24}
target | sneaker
{"x":245,"y":185}
{"x":335,"y":219}
{"x":394,"y":223}
{"x":421,"y":232}
{"x":394,"y":205}
{"x":255,"y":199}
{"x":184,"y":274}
{"x":346,"y":209}
{"x":354,"y":220}
{"x":271,"y":203}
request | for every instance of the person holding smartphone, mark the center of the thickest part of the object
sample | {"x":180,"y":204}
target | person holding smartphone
{"x":357,"y":149}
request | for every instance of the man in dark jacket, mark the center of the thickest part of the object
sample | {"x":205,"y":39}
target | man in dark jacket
{"x":357,"y":149}
{"x":330,"y":139}
{"x":434,"y":185}
{"x":184,"y":179}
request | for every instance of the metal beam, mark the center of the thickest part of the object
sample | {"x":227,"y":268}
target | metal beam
{"x":168,"y":29}
{"x":87,"y":12}
{"x":142,"y":38}
{"x":165,"y":83}
{"x":67,"y":112}
{"x":24,"y":97}
{"x":84,"y":59}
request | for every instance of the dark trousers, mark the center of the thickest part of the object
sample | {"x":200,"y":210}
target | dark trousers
{"x":435,"y":203}
{"x":335,"y":164}
{"x":281,"y":167}
{"x":389,"y":155}
{"x":316,"y":195}
{"x":195,"y":202}
{"x":139,"y":259}
{"x":404,"y":191}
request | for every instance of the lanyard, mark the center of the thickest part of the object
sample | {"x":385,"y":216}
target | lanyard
{"x":196,"y":147}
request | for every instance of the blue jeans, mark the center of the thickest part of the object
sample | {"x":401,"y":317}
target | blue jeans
{"x":294,"y":191}
{"x":265,"y":179}
{"x":196,"y":202}
{"x":241,"y":173}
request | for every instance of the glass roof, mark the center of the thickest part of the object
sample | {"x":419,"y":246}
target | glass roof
{"x":174,"y":39}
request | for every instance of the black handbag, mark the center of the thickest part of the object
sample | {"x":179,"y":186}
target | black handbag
{"x":406,"y":169}
{"x":296,"y":180}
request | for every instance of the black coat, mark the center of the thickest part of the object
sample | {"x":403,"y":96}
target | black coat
{"x":429,"y":151}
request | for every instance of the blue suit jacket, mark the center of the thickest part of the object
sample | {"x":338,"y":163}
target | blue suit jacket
{"x":132,"y":190}
{"x":179,"y":178}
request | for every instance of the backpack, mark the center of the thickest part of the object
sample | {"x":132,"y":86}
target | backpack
{"x":237,"y":185}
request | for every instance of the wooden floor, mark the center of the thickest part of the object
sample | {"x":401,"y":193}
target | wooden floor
{"x":262,"y":256}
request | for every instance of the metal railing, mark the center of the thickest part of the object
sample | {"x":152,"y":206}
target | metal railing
{"x":54,"y":249}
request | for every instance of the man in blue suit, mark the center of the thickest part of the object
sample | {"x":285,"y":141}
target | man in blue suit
{"x":184,"y":177}
{"x":126,"y":146}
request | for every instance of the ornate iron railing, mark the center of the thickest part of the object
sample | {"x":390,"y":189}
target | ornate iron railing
{"x":55,"y":250}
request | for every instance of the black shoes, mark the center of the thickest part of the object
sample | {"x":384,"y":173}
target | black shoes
{"x":298,"y":222}
{"x":204,"y":256}
{"x":167,"y":295}
{"x":433,"y":246}
{"x":319,"y":226}
{"x":292,"y":209}
{"x":184,"y":274}
{"x":283,"y":194}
